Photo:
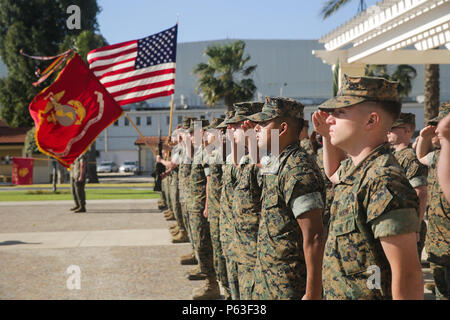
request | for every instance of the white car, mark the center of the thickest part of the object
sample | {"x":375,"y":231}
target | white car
{"x":107,"y":166}
{"x":129,"y":166}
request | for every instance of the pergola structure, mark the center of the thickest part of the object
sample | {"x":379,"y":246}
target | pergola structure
{"x":390,"y":32}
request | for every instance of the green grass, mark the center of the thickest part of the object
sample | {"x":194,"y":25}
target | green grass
{"x":91,"y":194}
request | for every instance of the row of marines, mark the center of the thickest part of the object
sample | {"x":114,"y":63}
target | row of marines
{"x":338,"y":215}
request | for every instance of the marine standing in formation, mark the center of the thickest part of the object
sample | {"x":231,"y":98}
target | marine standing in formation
{"x":258,"y":222}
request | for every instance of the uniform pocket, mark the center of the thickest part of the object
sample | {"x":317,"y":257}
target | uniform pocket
{"x":351,"y":246}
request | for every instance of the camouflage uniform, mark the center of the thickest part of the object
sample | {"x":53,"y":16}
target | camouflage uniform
{"x":292,"y":185}
{"x":246,"y":216}
{"x":416,"y":173}
{"x":174,"y":190}
{"x":246,"y":207}
{"x":184,"y":172}
{"x":437,"y":243}
{"x":196,"y":205}
{"x":226,"y":224}
{"x":306,"y":143}
{"x":329,"y":192}
{"x":214,"y":171}
{"x":438,"y":237}
{"x":372,"y":200}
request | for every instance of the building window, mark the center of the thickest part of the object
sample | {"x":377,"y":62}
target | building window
{"x":167,"y":120}
{"x":127,"y":122}
{"x":116,"y":123}
{"x":149,"y":121}
{"x":138,"y":121}
{"x":180,"y":119}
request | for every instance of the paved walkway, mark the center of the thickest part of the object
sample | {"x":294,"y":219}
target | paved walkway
{"x":119,"y":249}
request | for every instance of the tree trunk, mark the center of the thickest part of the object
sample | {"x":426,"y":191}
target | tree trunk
{"x":431,"y":92}
{"x":92,"y":164}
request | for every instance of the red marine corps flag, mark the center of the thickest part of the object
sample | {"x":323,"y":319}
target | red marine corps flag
{"x":72,"y":112}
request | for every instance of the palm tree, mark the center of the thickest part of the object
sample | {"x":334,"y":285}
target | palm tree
{"x":331,"y":6}
{"x":404,"y":74}
{"x":223,"y":76}
{"x":432,"y":80}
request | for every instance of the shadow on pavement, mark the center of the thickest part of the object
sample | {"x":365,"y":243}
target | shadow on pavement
{"x":123,"y":211}
{"x":13,"y":242}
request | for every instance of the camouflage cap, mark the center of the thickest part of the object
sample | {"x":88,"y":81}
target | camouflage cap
{"x":359,"y":89}
{"x":187,"y":122}
{"x":278,"y":107}
{"x":243,"y":110}
{"x":214,"y":123}
{"x":205,"y":123}
{"x":405,"y":118}
{"x":228,"y":115}
{"x":444,"y":110}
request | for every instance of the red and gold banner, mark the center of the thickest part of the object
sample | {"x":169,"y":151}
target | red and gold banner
{"x":72,"y":112}
{"x":22,"y":170}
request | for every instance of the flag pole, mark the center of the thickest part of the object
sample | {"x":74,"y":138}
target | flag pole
{"x":140,"y":133}
{"x":171,"y":115}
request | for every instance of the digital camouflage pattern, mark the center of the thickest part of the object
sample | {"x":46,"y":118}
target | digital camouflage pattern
{"x":372,"y":200}
{"x":228,"y":116}
{"x":306,"y":144}
{"x":416,"y":173}
{"x":329,"y":192}
{"x":226,"y":223}
{"x":405,"y":118}
{"x":444,"y":110}
{"x":196,"y":201}
{"x":280,"y":270}
{"x":278,"y":107}
{"x":174,"y":193}
{"x":243,"y":110}
{"x":184,"y":173}
{"x":246,"y":214}
{"x":438,"y":237}
{"x":359,"y":89}
{"x":214,"y":193}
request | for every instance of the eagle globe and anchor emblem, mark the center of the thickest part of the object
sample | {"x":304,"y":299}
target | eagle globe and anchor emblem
{"x":66,"y":115}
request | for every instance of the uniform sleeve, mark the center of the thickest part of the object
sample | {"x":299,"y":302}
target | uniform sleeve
{"x":431,"y":158}
{"x":392,"y":206}
{"x":416,"y":173}
{"x":303,"y":190}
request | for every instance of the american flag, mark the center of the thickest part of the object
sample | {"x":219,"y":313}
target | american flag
{"x":137,"y":70}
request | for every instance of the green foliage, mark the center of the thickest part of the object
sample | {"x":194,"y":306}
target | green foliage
{"x":331,"y":6}
{"x":38,"y":27}
{"x":222,"y":78}
{"x":84,"y":42}
{"x":30,"y":146}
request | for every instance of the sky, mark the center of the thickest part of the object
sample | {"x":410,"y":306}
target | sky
{"x":202,"y":20}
